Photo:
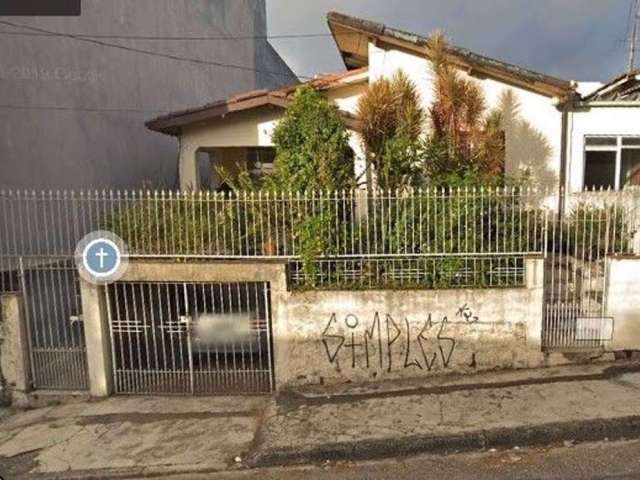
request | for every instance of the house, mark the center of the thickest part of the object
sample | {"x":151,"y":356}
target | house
{"x":604,"y":132}
{"x":237,"y":131}
{"x":544,"y":118}
{"x":72,"y":108}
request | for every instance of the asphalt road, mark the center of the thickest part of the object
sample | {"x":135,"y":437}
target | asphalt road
{"x":603,"y":460}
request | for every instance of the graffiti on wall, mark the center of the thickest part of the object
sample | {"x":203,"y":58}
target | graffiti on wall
{"x":378,"y":342}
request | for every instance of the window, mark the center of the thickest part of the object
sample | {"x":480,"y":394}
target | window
{"x":611,"y":162}
{"x":260,"y":160}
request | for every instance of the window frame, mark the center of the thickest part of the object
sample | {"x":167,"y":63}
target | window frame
{"x":617,"y":148}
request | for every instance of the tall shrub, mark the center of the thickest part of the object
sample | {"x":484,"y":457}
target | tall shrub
{"x":465,"y":135}
{"x":312,"y":146}
{"x":391,"y":121}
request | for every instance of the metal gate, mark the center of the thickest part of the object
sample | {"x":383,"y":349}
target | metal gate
{"x":54,"y":323}
{"x":595,"y":226}
{"x":190,"y":338}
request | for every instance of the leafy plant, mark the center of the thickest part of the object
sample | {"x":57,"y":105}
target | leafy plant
{"x":312,"y":146}
{"x":464,"y":136}
{"x":593,"y":231}
{"x":391,"y":121}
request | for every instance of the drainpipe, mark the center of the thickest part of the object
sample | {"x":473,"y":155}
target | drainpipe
{"x":563,"y":161}
{"x":566,"y":108}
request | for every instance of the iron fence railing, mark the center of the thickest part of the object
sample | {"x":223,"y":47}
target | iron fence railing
{"x":434,"y":237}
{"x":338,"y":224}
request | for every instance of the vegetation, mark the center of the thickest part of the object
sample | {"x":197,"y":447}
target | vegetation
{"x":465,"y":136}
{"x":593,"y":231}
{"x":391,"y":122}
{"x":428,"y":239}
{"x":312,"y":146}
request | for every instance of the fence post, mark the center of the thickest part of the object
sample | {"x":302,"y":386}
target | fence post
{"x":14,"y":347}
{"x":361,"y":204}
{"x":535,"y":283}
{"x":98,"y":341}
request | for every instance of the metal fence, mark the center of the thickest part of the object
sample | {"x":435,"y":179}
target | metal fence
{"x":53,"y":315}
{"x":376,"y":229}
{"x":595,"y":226}
{"x":430,"y":238}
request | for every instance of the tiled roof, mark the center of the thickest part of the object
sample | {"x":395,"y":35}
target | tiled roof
{"x":171,"y":122}
{"x":624,"y":88}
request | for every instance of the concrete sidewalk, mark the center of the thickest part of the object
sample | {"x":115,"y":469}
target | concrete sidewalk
{"x":129,"y":437}
{"x":496,"y":410}
{"x":133,"y":437}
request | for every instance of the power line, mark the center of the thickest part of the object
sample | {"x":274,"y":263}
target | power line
{"x":80,"y":109}
{"x":634,"y":36}
{"x":629,"y":16}
{"x":147,"y":52}
{"x":185,"y":38}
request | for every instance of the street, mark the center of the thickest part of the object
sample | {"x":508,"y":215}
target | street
{"x":601,"y":460}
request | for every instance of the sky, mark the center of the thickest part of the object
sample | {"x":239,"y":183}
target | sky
{"x":583,"y":40}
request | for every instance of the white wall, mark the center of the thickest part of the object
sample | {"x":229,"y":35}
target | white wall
{"x":623,"y":295}
{"x":605,"y":120}
{"x":533,"y":125}
{"x":243,"y":129}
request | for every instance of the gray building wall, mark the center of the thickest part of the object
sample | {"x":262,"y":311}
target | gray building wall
{"x":72,"y":113}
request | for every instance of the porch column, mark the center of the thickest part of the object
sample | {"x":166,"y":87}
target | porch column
{"x":188,"y":167}
{"x":97,"y":338}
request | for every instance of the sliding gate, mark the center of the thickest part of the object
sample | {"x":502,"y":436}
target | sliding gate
{"x":190,"y":338}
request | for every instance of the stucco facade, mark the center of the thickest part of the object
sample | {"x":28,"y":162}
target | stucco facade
{"x":223,"y":138}
{"x":531,"y":121}
{"x":597,"y":119}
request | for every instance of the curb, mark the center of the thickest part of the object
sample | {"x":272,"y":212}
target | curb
{"x":124,"y":473}
{"x":295,"y":398}
{"x":526,"y":436}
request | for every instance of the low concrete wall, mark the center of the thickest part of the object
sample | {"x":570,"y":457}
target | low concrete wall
{"x":356,"y":336}
{"x":623,"y":298}
{"x":14,"y":351}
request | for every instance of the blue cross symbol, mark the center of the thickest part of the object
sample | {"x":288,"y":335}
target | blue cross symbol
{"x":101,"y":257}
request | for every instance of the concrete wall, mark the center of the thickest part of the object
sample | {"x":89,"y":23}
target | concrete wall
{"x":356,"y":336}
{"x":597,"y":120}
{"x":14,"y":352}
{"x":73,"y":112}
{"x":533,"y":125}
{"x":623,"y":298}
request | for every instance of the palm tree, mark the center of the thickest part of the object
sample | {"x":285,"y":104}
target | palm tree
{"x":459,"y":117}
{"x":391,"y":121}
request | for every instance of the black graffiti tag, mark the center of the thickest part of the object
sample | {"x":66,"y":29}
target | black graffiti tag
{"x":378,"y":339}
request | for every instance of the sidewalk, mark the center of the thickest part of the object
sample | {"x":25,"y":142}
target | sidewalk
{"x":129,"y":437}
{"x":496,"y":410}
{"x":133,"y":437}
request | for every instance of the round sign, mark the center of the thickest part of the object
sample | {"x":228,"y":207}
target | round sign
{"x":101,"y":257}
